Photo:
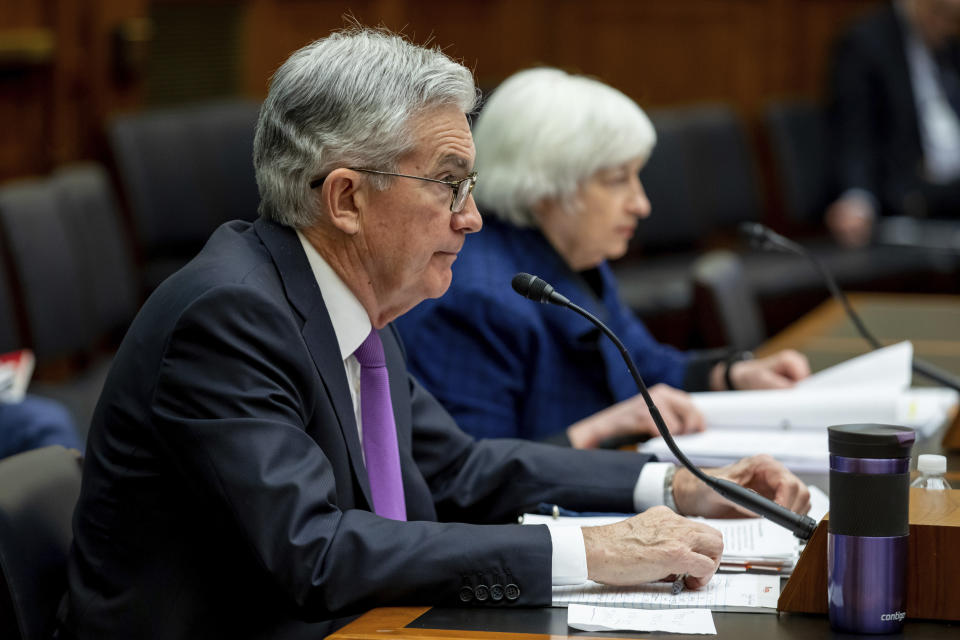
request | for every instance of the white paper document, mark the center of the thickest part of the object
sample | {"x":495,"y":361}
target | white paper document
{"x":725,"y":592}
{"x":887,"y":369}
{"x":790,"y":424}
{"x":802,"y":451}
{"x":693,"y":621}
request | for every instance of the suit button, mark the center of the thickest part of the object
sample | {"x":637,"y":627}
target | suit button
{"x":512,"y":591}
{"x":482,"y":592}
{"x":466,"y":594}
{"x":496,"y":592}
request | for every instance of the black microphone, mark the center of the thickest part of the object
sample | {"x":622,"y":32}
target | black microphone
{"x":763,"y":238}
{"x":802,"y":526}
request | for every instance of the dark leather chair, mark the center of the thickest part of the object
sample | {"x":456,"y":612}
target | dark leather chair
{"x":75,"y":279}
{"x":9,"y":322}
{"x":722,"y":169}
{"x":38,"y":492}
{"x":798,"y":141}
{"x":184,"y":171}
{"x":45,"y":269}
{"x":104,"y":261}
{"x":727,"y":310}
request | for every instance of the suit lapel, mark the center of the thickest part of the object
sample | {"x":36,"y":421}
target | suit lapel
{"x":304,"y":294}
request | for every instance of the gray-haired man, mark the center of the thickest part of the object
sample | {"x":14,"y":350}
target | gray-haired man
{"x":233,"y":487}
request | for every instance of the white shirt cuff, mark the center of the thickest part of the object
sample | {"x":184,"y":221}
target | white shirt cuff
{"x":569,"y":555}
{"x":648,"y":491}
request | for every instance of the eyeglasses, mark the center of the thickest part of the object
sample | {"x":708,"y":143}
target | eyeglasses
{"x":461,"y":188}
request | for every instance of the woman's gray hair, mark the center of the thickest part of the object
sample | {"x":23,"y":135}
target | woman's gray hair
{"x":346,"y":101}
{"x":544,"y":131}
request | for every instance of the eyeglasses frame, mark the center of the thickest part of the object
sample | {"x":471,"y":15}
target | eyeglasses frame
{"x":453,"y":184}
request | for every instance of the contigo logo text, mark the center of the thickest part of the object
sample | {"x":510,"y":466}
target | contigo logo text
{"x":897,"y":615}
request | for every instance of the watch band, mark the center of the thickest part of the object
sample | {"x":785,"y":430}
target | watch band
{"x":668,"y":500}
{"x":735,"y":357}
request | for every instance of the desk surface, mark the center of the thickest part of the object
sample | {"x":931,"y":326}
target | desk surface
{"x":826,"y":337}
{"x":424,"y":623}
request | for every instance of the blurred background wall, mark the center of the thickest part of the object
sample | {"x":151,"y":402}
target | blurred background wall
{"x":66,"y":66}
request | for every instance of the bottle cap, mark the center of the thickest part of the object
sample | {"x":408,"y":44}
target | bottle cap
{"x":930,"y":463}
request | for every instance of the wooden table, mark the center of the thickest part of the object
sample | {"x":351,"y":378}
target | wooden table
{"x":825,"y":335}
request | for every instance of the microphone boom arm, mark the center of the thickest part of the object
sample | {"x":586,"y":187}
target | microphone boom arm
{"x":802,"y":526}
{"x":769,"y":239}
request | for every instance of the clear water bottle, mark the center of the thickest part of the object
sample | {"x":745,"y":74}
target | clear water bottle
{"x":931,"y":468}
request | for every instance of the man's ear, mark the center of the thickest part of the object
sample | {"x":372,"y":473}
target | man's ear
{"x":343,"y":196}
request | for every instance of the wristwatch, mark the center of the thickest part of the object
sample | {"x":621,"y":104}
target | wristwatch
{"x":668,"y":500}
{"x":733,"y":358}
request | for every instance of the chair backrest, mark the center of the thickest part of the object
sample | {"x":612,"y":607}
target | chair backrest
{"x":9,"y":322}
{"x":185,"y":171}
{"x":105,"y":267}
{"x":721,"y":166}
{"x":798,"y":140}
{"x":674,"y":222}
{"x":45,"y":267}
{"x":38,"y":492}
{"x":726,"y":307}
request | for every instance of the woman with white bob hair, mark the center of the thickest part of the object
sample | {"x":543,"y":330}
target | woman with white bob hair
{"x":558,"y":159}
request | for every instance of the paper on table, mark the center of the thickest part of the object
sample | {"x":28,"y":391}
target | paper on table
{"x":725,"y":592}
{"x":588,"y":618}
{"x":888,"y":369}
{"x":802,"y":451}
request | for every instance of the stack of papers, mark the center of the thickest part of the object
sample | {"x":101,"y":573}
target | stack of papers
{"x":791,"y":424}
{"x":725,"y":592}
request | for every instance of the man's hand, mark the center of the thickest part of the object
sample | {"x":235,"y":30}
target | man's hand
{"x":779,"y":371}
{"x":761,"y":473}
{"x":631,"y":417}
{"x":850,"y":220}
{"x":655,"y":545}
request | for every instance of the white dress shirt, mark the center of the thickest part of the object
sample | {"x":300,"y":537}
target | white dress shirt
{"x":351,"y":324}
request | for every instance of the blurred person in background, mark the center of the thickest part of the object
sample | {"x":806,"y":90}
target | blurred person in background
{"x":559,"y":157}
{"x":895,"y":117}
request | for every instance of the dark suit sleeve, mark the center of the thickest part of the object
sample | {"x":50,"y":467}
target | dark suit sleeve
{"x":230,"y":405}
{"x":493,"y":480}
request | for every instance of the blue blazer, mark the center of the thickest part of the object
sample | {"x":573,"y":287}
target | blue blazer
{"x":505,"y":366}
{"x":224,"y":493}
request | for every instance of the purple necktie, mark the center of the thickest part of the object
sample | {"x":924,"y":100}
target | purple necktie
{"x":380,"y":449}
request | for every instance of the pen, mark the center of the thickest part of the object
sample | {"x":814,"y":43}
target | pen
{"x":678,"y":584}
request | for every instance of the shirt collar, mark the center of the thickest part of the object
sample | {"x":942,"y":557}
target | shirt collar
{"x":351,"y":324}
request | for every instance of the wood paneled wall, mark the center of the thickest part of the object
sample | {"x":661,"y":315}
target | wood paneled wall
{"x":58,"y":80}
{"x":660,"y":52}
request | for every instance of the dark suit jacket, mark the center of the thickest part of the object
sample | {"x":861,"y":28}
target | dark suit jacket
{"x":874,"y":122}
{"x":224,"y":493}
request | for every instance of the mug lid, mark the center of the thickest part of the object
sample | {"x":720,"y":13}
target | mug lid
{"x":871,"y":440}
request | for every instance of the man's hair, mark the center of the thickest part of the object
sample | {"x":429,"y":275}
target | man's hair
{"x":346,"y":101}
{"x":544,"y":131}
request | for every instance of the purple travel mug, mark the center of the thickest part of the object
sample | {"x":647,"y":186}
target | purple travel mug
{"x":869,"y":525}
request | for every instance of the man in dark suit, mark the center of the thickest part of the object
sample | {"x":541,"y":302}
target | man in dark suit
{"x":895,"y":117}
{"x":255,"y":471}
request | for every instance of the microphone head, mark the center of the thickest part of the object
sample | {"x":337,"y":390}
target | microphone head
{"x":752,"y":230}
{"x":755,"y":232}
{"x":530,"y":286}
